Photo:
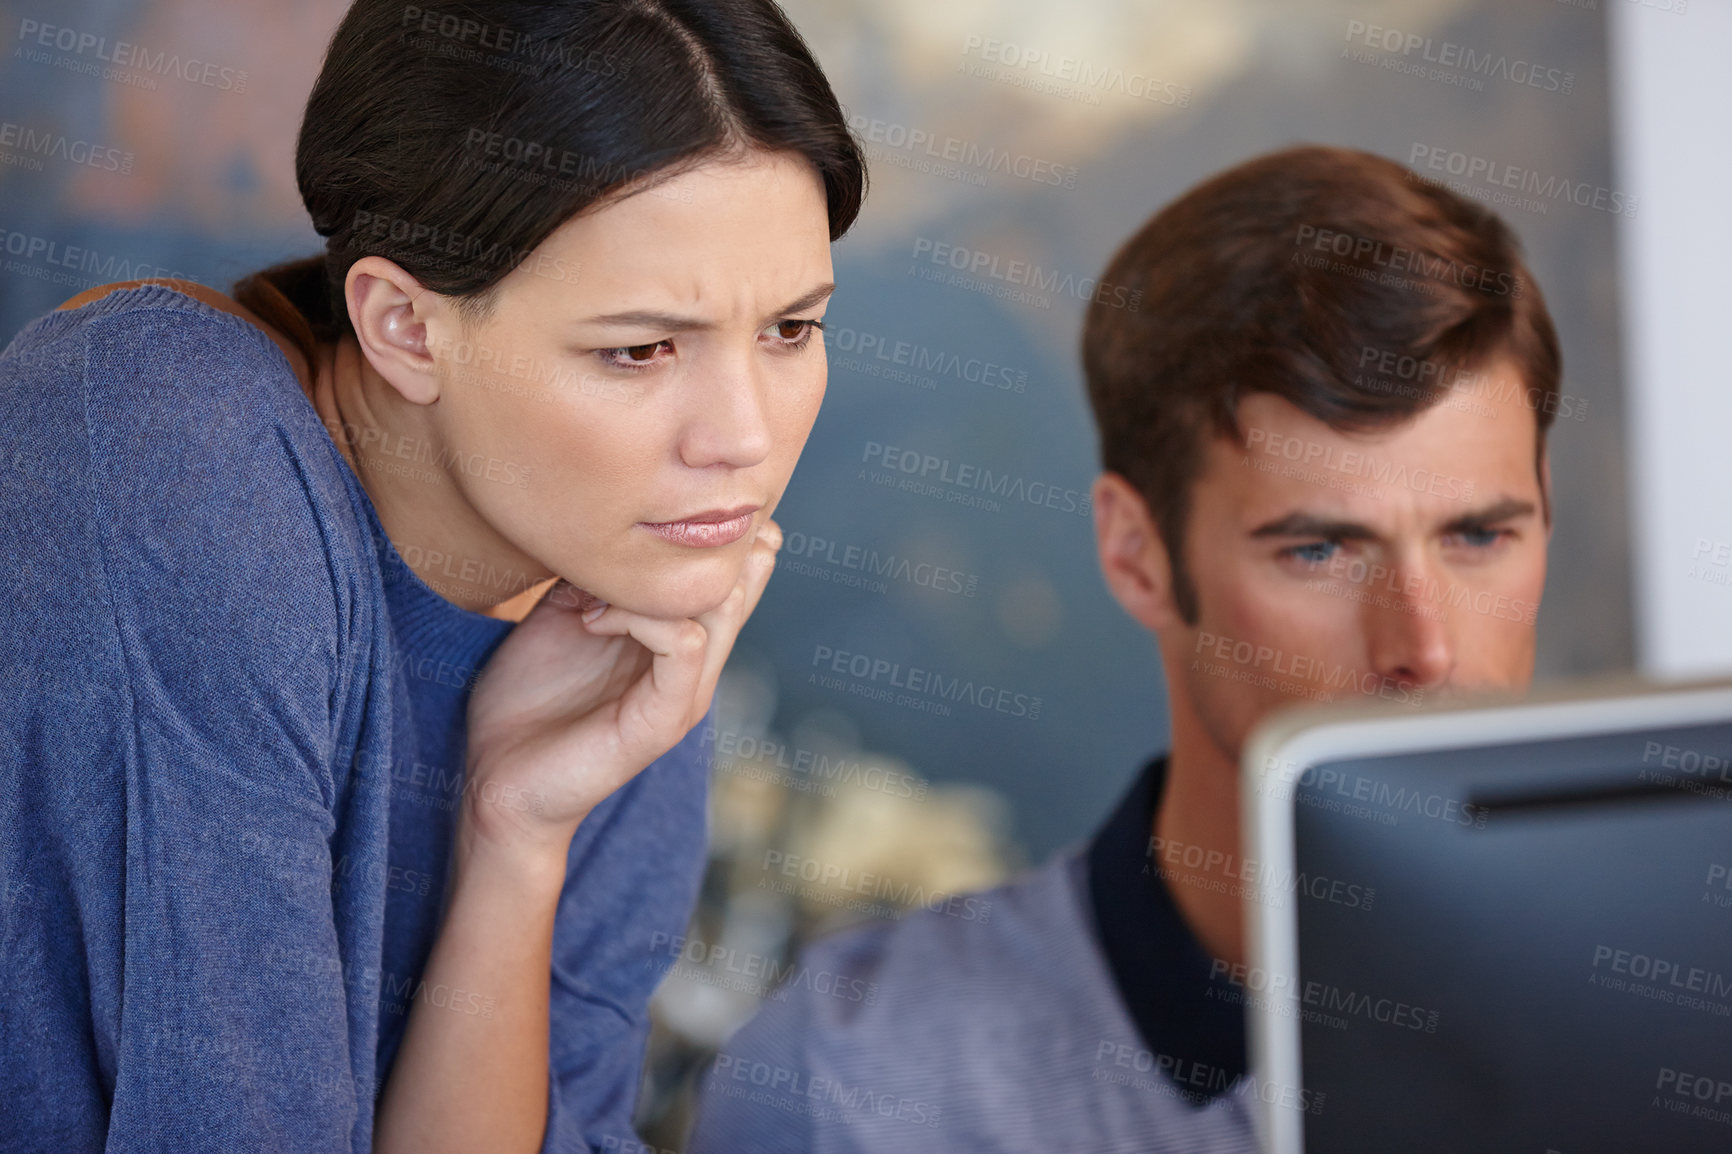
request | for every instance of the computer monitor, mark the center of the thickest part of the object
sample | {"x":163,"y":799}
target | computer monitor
{"x":1493,"y":926}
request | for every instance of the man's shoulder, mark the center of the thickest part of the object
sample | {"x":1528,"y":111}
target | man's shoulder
{"x":1000,"y":930}
{"x":938,"y":1032}
{"x":1020,"y":959}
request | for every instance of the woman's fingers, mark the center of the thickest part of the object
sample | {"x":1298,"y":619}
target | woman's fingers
{"x":759,"y":565}
{"x":687,"y":655}
{"x":723,"y":623}
{"x":653,"y":712}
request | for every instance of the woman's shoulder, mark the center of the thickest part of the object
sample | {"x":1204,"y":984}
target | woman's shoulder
{"x":184,"y":376}
{"x":157,"y":348}
{"x":175,"y":356}
{"x":128,"y":326}
{"x":216,"y":536}
{"x":213,"y":300}
{"x":199,"y":292}
{"x":194,"y":442}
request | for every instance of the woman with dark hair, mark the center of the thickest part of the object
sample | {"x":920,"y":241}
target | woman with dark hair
{"x":372,"y":615}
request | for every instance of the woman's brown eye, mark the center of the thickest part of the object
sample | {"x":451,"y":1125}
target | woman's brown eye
{"x":791,"y":330}
{"x":642,"y":352}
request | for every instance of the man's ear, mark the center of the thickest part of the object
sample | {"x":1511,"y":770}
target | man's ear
{"x":390,"y":312}
{"x":1133,"y":557}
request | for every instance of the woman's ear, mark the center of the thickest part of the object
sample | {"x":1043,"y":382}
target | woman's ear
{"x":1133,"y":557}
{"x":391,"y":313}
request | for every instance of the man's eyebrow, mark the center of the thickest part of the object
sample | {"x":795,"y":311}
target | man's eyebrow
{"x":1505,"y":510}
{"x":1309,"y":525}
{"x":675,"y":323}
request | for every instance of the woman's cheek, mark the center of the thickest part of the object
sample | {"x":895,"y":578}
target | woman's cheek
{"x":798,"y":420}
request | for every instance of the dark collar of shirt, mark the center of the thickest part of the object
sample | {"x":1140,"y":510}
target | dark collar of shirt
{"x":1192,"y":1022}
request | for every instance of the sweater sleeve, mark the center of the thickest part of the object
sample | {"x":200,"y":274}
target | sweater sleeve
{"x":635,"y":868}
{"x":204,"y":993}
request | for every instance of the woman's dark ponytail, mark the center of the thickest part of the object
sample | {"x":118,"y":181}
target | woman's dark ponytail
{"x":293,"y":298}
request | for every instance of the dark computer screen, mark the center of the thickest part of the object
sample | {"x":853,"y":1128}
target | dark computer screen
{"x":1524,"y":948}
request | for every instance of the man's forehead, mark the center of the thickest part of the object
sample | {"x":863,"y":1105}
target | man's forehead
{"x":1497,"y":393}
{"x":1435,"y":467}
{"x":1493,"y":433}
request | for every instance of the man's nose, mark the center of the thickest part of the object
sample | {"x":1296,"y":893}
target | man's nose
{"x":1410,"y":637}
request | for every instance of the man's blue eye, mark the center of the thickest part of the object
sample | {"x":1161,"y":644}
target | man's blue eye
{"x":1314,"y":553}
{"x":1480,"y":538}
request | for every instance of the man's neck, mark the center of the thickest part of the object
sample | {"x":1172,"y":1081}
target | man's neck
{"x":1196,"y":839}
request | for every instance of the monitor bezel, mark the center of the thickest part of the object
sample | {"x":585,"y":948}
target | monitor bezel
{"x":1289,"y":742}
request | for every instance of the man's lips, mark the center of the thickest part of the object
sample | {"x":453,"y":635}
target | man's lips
{"x":709,"y":529}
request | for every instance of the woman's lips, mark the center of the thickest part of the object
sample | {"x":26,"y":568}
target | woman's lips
{"x":706,"y":530}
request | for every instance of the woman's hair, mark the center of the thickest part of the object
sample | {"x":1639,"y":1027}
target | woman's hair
{"x":453,"y":141}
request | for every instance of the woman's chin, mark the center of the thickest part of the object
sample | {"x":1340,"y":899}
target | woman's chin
{"x":688,"y":591}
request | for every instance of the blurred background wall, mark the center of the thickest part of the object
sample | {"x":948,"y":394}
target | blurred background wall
{"x":1672,"y":105}
{"x":1009,"y":131}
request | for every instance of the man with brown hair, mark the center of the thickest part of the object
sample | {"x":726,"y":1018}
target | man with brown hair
{"x":1323,"y":442}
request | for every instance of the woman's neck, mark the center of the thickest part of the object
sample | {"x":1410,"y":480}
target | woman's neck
{"x":424,"y":513}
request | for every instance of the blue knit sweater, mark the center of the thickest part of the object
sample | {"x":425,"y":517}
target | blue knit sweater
{"x":231,"y":748}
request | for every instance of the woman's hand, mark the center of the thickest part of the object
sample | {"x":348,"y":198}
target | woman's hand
{"x":582,"y":696}
{"x":566,"y":712}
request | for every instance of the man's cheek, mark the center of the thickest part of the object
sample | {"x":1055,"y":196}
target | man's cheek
{"x":1494,"y":648}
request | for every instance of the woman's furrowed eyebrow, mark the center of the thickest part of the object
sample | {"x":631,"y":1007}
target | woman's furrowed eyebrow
{"x":675,"y":323}
{"x":815,"y":296}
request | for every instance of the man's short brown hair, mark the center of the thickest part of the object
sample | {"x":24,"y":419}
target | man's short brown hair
{"x":1308,"y":274}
